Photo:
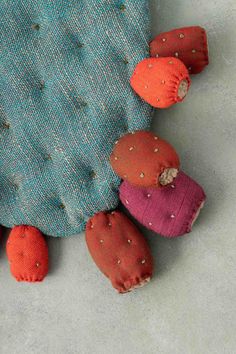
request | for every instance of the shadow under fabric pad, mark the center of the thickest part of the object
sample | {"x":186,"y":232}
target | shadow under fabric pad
{"x":65,"y":100}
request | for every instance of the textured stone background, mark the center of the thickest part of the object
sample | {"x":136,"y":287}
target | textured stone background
{"x":189,"y":307}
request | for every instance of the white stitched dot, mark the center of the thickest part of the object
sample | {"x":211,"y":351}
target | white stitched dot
{"x":177,"y":54}
{"x":146,"y":86}
{"x":172,"y":186}
{"x":116,"y":142}
{"x":47,"y":157}
{"x":143,"y":261}
{"x":93,"y":174}
{"x":163,"y":39}
{"x":35,"y":26}
{"x":157,"y":55}
{"x":101,"y":241}
{"x":155,"y":137}
{"x":37,"y":264}
{"x":125,"y":176}
{"x":150,"y":223}
{"x":149,"y":195}
{"x":91,"y":226}
{"x":163,"y":82}
{"x":193,"y":50}
{"x":141,"y":175}
{"x":156,"y":150}
{"x":41,"y":85}
{"x":116,"y":158}
{"x":131,"y":148}
{"x":6,"y":125}
{"x":170,"y":62}
{"x":118,"y":261}
{"x":109,"y":224}
{"x":150,"y":65}
{"x":181,"y":35}
{"x":129,"y":241}
{"x":158,"y":99}
{"x":172,"y":216}
{"x":126,"y":201}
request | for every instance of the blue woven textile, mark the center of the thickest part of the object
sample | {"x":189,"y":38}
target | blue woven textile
{"x":65,"y":100}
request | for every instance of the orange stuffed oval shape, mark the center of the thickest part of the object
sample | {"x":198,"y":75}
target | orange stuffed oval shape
{"x":141,"y":158}
{"x":161,"y":82}
{"x":119,"y":250}
{"x":27,"y":254}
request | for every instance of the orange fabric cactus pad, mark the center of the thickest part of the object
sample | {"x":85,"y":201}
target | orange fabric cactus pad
{"x":119,"y":250}
{"x":27,"y":254}
{"x":188,"y":44}
{"x":144,"y":160}
{"x":161,"y":82}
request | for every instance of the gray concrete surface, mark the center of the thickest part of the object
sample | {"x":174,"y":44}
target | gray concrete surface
{"x":189,"y":307}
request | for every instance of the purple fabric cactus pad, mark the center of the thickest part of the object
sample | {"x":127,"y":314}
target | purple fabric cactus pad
{"x":169,"y":211}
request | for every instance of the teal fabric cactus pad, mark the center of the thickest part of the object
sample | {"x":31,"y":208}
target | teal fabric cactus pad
{"x":65,"y":100}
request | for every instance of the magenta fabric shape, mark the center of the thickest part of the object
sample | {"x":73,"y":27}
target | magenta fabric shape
{"x":169,"y":211}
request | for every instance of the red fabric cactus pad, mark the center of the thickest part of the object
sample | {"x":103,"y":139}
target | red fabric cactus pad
{"x":188,"y":44}
{"x":27,"y":254}
{"x":119,"y":250}
{"x":141,"y":158}
{"x":161,"y":82}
